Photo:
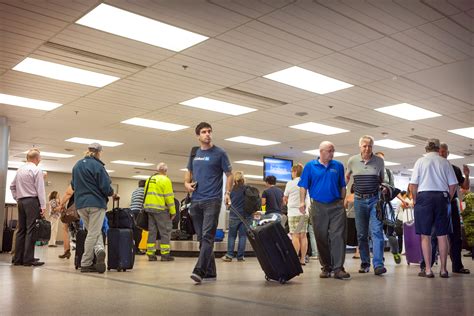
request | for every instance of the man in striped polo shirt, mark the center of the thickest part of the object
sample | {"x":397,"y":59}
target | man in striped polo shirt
{"x":136,"y":206}
{"x":368,"y":172}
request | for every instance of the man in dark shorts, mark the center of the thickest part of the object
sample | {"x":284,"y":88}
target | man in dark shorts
{"x":433,"y":184}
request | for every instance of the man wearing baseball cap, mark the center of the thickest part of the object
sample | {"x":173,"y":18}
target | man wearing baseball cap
{"x":92,"y":187}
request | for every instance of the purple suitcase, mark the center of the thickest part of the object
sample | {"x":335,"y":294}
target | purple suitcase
{"x":412,"y":241}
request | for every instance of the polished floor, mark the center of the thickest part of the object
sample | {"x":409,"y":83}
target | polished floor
{"x":164,"y":288}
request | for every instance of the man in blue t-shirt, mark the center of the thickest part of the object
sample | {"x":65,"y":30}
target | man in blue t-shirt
{"x":272,"y":197}
{"x":324,"y":179}
{"x":204,"y":180}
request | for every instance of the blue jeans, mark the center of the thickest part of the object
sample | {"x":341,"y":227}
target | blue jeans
{"x":365,"y":217}
{"x":236,"y":226}
{"x":205,"y":216}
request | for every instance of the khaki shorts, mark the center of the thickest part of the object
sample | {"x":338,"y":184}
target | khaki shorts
{"x":298,"y":224}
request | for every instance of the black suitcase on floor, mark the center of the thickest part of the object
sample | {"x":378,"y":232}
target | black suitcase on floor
{"x":81,"y":235}
{"x":274,"y":251}
{"x":120,"y":249}
{"x":7,"y":239}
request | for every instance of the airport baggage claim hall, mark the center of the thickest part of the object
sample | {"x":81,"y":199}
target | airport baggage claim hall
{"x":274,"y":79}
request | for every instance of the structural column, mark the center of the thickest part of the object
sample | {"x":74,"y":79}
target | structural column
{"x":4,"y":144}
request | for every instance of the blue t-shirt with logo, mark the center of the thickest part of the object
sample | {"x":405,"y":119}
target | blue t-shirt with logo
{"x":207,"y":168}
{"x":323,"y":183}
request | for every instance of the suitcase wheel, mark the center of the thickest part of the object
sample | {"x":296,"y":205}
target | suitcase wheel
{"x":124,"y":270}
{"x":282,"y":281}
{"x":267,"y":278}
{"x":108,"y":269}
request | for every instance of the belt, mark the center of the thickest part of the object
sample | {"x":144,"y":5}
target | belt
{"x":365,"y":196}
{"x":27,"y":197}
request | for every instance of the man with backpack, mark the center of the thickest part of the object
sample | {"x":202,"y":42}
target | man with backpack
{"x":204,"y":179}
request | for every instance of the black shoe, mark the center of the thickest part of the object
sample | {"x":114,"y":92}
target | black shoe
{"x":33,"y":264}
{"x":167,"y":258}
{"x":36,"y":259}
{"x":152,"y":258}
{"x":88,"y":269}
{"x":139,"y":252}
{"x":17,"y":263}
{"x":100,"y":263}
{"x":380,"y":270}
{"x":462,"y":271}
{"x":364,"y":268}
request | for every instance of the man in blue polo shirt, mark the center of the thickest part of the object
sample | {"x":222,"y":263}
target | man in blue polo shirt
{"x":324,"y":178}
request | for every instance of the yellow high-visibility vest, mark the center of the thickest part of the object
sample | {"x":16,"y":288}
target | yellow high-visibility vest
{"x":159,"y":196}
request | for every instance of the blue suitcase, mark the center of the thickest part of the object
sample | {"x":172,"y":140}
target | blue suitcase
{"x":120,"y":249}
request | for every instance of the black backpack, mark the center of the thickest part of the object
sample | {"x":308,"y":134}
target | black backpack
{"x":252,"y":201}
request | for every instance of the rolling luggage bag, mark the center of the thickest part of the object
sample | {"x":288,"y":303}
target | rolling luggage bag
{"x":81,"y":235}
{"x":412,"y":240}
{"x":8,"y":231}
{"x":120,"y":249}
{"x":274,"y":251}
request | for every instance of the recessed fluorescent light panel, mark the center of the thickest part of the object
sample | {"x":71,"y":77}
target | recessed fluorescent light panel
{"x":315,"y":152}
{"x":183,"y":169}
{"x":64,"y":73}
{"x":389,"y":163}
{"x":250,"y":162}
{"x":89,"y":141}
{"x":138,"y":176}
{"x":15,"y":164}
{"x":217,"y":106}
{"x":252,"y":176}
{"x":109,"y":171}
{"x":393,"y":144}
{"x":308,"y":80}
{"x":139,"y":28}
{"x":408,"y":112}
{"x":466,"y":132}
{"x":471,"y":164}
{"x":154,"y":124}
{"x":28,"y":103}
{"x":132,"y":163}
{"x":252,"y":141}
{"x":52,"y":155}
{"x":319,"y":128}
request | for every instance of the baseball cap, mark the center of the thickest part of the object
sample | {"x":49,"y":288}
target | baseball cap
{"x":95,"y":147}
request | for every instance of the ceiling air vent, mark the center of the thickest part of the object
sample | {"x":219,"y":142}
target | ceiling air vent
{"x":355,"y":122}
{"x":90,"y":55}
{"x":246,"y":98}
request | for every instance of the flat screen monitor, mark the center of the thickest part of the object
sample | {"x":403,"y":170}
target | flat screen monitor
{"x":278,"y":167}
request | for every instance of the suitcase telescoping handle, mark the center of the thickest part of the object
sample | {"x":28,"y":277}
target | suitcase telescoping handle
{"x":249,"y":229}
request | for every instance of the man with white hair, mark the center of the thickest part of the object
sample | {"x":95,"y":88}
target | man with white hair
{"x":367,"y":171}
{"x":160,"y":207}
{"x":28,"y":190}
{"x":433,"y":184}
{"x":324,"y":178}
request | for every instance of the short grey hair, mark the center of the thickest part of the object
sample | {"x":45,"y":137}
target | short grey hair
{"x":162,"y":167}
{"x":366,"y":137}
{"x":325,"y":144}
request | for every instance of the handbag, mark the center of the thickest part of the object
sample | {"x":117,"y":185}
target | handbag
{"x":42,"y":230}
{"x":70,"y":215}
{"x":142,"y":220}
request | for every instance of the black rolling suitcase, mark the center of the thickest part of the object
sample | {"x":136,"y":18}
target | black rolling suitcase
{"x":8,"y":232}
{"x":120,"y":244}
{"x":274,"y":251}
{"x":81,"y":235}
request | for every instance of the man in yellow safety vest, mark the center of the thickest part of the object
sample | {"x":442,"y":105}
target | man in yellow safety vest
{"x":160,"y":207}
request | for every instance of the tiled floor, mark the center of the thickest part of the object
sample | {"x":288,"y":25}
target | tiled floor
{"x":164,"y":288}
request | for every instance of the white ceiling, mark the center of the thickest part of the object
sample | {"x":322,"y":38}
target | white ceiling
{"x":418,"y":52}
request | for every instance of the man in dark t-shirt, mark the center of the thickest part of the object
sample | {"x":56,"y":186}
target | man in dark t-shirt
{"x":272,"y":197}
{"x":455,"y":240}
{"x":204,"y":179}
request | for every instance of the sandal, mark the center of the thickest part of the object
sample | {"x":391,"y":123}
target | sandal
{"x":355,"y":257}
{"x":444,"y":275}
{"x":423,"y":274}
